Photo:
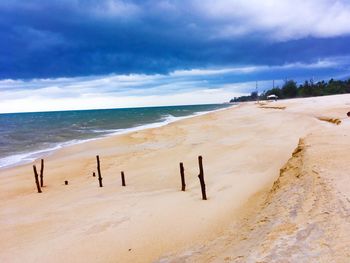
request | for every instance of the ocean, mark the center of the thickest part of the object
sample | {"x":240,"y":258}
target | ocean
{"x":27,"y":136}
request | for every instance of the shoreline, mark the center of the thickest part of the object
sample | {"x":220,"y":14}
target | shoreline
{"x":26,"y":158}
{"x":243,"y":150}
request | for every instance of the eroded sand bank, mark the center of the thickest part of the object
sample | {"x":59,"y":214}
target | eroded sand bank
{"x":243,"y":149}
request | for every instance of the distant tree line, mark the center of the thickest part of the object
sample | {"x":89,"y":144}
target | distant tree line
{"x":290,"y":89}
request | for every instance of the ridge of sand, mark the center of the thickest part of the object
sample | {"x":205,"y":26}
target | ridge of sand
{"x":330,"y":120}
{"x":273,"y":107}
{"x":304,"y":217}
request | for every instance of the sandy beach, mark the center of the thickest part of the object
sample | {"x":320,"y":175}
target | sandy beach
{"x":278,"y":187}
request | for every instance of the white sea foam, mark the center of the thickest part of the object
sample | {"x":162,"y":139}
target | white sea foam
{"x":24,"y":158}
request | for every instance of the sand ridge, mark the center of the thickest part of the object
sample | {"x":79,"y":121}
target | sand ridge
{"x":303,"y":218}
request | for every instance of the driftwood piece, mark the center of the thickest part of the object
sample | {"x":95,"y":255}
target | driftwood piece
{"x":182,"y":172}
{"x":66,"y":182}
{"x":36,"y":176}
{"x":201,"y":177}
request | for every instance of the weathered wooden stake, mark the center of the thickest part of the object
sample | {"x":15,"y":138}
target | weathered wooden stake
{"x":42,"y":173}
{"x":99,"y":170}
{"x":123,"y":179}
{"x":201,"y":178}
{"x":93,"y":174}
{"x":182,"y":172}
{"x":66,"y":182}
{"x":36,"y":179}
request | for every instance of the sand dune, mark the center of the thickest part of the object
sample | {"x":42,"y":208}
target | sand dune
{"x":248,"y":217}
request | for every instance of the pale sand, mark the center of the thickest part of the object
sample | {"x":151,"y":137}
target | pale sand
{"x":304,"y":216}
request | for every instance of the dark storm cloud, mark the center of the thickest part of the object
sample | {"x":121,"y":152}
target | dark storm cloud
{"x":41,"y":39}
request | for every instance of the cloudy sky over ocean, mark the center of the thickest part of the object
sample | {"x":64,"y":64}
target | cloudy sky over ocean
{"x":59,"y":55}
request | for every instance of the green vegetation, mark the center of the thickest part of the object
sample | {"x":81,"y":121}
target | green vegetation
{"x":290,"y":89}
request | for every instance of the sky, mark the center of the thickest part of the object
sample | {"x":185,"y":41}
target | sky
{"x":84,"y":54}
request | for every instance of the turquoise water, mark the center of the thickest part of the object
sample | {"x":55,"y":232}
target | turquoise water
{"x":27,"y":136}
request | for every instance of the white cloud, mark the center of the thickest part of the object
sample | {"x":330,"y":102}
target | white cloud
{"x":203,"y":72}
{"x":115,"y":91}
{"x":114,"y":8}
{"x":103,"y":101}
{"x":322,"y":63}
{"x":278,"y":19}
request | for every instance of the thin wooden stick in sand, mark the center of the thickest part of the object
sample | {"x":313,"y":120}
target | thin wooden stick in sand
{"x":99,"y":170}
{"x":201,"y":177}
{"x":182,"y":172}
{"x":36,"y":179}
{"x":123,"y":179}
{"x":42,"y":173}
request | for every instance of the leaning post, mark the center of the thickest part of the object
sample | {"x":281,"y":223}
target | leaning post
{"x":36,"y":179}
{"x":201,"y":177}
{"x":123,"y":179}
{"x":182,"y":172}
{"x":99,"y":170}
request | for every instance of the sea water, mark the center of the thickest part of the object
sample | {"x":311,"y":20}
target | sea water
{"x":27,"y":136}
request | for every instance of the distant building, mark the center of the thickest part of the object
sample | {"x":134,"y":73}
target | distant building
{"x":272,"y":97}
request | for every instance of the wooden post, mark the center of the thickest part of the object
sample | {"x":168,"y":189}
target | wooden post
{"x":42,"y":173}
{"x":93,"y":174}
{"x":66,"y":182}
{"x":201,"y":178}
{"x":36,"y":179}
{"x":182,"y":172}
{"x":123,"y":179}
{"x":99,"y":170}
